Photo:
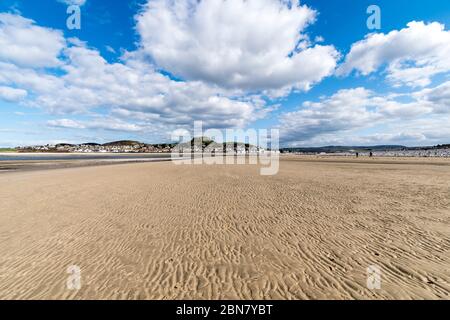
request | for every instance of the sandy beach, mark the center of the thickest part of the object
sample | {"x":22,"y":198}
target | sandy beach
{"x":165,"y":231}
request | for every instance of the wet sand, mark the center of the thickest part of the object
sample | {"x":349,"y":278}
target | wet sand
{"x":166,"y":231}
{"x":44,"y":161}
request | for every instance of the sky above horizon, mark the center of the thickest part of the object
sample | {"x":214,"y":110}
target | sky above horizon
{"x":142,"y":69}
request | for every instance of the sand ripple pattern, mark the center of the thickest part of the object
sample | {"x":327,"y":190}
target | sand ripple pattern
{"x":161,"y":231}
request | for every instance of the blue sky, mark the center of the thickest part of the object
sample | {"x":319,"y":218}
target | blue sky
{"x":139,"y":70}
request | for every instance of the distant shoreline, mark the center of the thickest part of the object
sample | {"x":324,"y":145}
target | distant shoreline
{"x":18,"y":153}
{"x":12,"y":165}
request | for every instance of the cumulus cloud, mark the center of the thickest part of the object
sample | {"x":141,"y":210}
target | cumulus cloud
{"x":438,"y":97}
{"x":12,"y":94}
{"x":132,"y":88}
{"x":243,"y":44}
{"x":24,"y":43}
{"x":136,"y":88}
{"x":349,"y":111}
{"x":345,"y":110}
{"x":73,"y":2}
{"x":110,"y":49}
{"x":65,"y":123}
{"x":27,"y":78}
{"x":413,"y":55}
{"x":429,"y":130}
{"x":105,"y":124}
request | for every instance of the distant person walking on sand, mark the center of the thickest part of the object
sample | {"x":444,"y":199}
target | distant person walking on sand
{"x":357,"y":154}
{"x":371,"y":154}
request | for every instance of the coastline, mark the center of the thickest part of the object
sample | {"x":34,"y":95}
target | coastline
{"x":89,"y":160}
{"x":87,"y":154}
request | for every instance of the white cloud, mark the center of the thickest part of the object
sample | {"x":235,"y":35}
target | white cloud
{"x":349,"y":112}
{"x":132,"y":89}
{"x":248,"y":45}
{"x":73,"y":2}
{"x":438,"y":97}
{"x":319,"y":39}
{"x":12,"y":94}
{"x":137,"y":88}
{"x":30,"y":79}
{"x":430,"y":130}
{"x":26,"y":44}
{"x":413,"y":55}
{"x":96,"y":124}
{"x":65,"y":123}
{"x":345,"y":110}
{"x":110,"y":49}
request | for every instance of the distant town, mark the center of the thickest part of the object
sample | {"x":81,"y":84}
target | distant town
{"x":204,"y":144}
{"x":200,"y":144}
{"x":112,"y":147}
{"x":376,"y":151}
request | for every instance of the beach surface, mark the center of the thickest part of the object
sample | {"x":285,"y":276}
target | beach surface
{"x":21,"y":161}
{"x":165,"y":231}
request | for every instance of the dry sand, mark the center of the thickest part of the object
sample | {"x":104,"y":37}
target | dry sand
{"x":161,"y":231}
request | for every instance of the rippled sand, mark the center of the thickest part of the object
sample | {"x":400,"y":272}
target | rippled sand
{"x":162,"y":231}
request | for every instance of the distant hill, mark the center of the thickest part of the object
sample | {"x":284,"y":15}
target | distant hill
{"x":122,"y":143}
{"x":92,"y":144}
{"x":204,"y":141}
{"x":64,"y":145}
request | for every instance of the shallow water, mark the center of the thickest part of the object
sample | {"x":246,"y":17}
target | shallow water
{"x":96,"y":156}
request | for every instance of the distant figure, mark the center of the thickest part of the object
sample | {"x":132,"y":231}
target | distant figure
{"x":357,"y":154}
{"x":371,"y":154}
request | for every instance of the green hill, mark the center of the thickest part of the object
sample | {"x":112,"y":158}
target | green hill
{"x":122,"y":143}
